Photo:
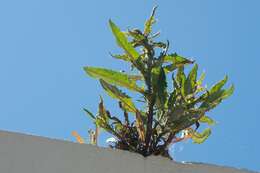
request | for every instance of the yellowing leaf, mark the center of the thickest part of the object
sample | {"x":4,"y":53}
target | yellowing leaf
{"x":201,"y":137}
{"x":140,"y":126}
{"x":206,"y":119}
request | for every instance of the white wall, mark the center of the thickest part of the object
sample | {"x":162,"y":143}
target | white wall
{"x":21,"y":153}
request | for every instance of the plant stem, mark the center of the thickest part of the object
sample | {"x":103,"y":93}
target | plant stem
{"x":162,"y":148}
{"x":150,"y":97}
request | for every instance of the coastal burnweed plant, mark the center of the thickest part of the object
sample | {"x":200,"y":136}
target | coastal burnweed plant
{"x":172,"y":112}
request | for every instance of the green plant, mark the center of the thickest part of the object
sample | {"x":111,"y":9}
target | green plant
{"x":169,"y":110}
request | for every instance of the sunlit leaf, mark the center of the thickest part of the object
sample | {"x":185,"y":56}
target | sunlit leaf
{"x":228,"y":92}
{"x":163,"y":116}
{"x":181,"y":78}
{"x":177,"y":61}
{"x":208,"y":120}
{"x":123,"y":42}
{"x":216,"y":94}
{"x":113,"y":77}
{"x":218,"y":85}
{"x":201,"y":78}
{"x":191,"y":80}
{"x":149,"y":23}
{"x":123,"y":57}
{"x":201,"y":137}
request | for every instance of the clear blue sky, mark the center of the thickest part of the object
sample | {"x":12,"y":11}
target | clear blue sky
{"x":45,"y":43}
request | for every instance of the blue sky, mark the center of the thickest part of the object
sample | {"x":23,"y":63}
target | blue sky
{"x":45,"y":43}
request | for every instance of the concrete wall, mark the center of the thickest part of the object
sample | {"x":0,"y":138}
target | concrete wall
{"x":21,"y":153}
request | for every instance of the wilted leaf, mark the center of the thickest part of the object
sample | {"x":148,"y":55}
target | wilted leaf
{"x":140,"y":126}
{"x":123,"y":42}
{"x":200,"y":80}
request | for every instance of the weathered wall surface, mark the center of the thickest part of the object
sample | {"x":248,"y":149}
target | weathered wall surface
{"x":21,"y":153}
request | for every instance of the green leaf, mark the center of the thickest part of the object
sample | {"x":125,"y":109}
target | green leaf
{"x":100,"y":122}
{"x":113,"y":77}
{"x":181,"y":78}
{"x":172,"y":99}
{"x":228,"y":92}
{"x":136,"y":34}
{"x":160,"y":45}
{"x":201,"y":137}
{"x":91,"y":115}
{"x":118,"y":127}
{"x":216,"y":94}
{"x":123,"y":57}
{"x":161,"y":88}
{"x":218,"y":85}
{"x":123,"y":42}
{"x":200,"y":80}
{"x":177,"y":61}
{"x":114,"y":92}
{"x":191,"y":80}
{"x":140,"y":65}
{"x":220,"y":94}
{"x":149,"y":23}
{"x":208,"y":120}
